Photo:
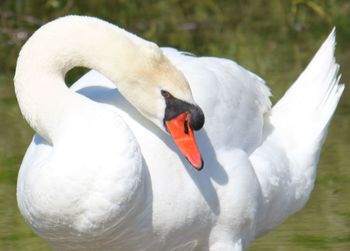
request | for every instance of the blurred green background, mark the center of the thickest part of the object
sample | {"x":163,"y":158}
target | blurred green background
{"x":274,"y":39}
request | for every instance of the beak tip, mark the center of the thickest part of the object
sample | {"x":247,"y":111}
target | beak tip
{"x":197,"y":167}
{"x":200,"y":167}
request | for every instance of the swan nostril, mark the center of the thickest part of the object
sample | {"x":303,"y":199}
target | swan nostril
{"x":186,"y":126}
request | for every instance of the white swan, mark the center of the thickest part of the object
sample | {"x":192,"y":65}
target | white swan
{"x":103,"y":177}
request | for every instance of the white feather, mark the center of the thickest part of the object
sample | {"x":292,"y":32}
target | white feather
{"x":112,"y":180}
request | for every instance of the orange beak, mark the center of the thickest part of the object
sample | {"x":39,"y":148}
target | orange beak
{"x":182,"y":133}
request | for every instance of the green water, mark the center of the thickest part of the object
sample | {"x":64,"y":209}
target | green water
{"x":272,"y":38}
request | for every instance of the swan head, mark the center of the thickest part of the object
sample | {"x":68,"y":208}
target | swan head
{"x":139,"y":69}
{"x":162,"y":94}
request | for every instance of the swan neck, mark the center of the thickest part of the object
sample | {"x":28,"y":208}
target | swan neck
{"x":62,"y":45}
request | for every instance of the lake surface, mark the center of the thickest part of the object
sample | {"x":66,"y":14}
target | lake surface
{"x":275,"y":39}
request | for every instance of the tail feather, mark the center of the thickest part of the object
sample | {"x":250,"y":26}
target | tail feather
{"x":305,"y":110}
{"x":286,"y":162}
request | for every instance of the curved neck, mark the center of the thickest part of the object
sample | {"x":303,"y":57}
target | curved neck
{"x":63,"y":44}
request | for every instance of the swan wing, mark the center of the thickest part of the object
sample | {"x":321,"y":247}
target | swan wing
{"x":287,"y":160}
{"x":234,"y":100}
{"x":89,"y":181}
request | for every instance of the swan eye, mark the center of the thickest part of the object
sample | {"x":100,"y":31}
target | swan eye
{"x":165,"y":94}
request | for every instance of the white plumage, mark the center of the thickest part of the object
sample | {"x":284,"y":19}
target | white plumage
{"x":112,"y":180}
